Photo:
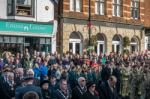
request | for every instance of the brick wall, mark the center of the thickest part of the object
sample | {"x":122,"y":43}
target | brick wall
{"x":126,"y":15}
{"x":147,"y":13}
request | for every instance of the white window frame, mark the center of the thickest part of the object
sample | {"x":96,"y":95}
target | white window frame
{"x":76,"y":5}
{"x":135,"y":6}
{"x":26,"y":4}
{"x":100,"y":7}
{"x":74,"y":42}
{"x":117,"y":7}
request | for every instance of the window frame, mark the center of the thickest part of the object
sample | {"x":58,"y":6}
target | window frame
{"x":14,"y":9}
{"x":12,"y":5}
{"x":135,"y":6}
{"x":98,"y":6}
{"x":32,"y":9}
{"x":73,"y":6}
{"x":117,"y":8}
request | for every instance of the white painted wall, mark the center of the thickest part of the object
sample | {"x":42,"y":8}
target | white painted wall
{"x":44,"y":15}
{"x":3,"y":9}
{"x":40,"y":13}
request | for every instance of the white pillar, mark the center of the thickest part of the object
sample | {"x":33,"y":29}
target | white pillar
{"x":146,"y":42}
{"x":74,"y":47}
{"x":53,"y":44}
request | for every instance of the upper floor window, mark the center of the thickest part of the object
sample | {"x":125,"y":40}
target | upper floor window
{"x":135,"y":9}
{"x":117,"y":8}
{"x":20,"y":7}
{"x":75,"y":5}
{"x":24,"y":7}
{"x":100,"y":7}
{"x":10,"y":7}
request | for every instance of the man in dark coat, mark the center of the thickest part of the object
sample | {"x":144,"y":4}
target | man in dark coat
{"x":106,"y":72}
{"x":21,"y":92}
{"x":6,"y":90}
{"x":62,"y":92}
{"x":80,"y":89}
{"x":117,"y":74}
{"x":108,"y":89}
{"x":53,"y":85}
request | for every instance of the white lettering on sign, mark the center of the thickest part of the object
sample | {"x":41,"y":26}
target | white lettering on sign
{"x":28,"y":27}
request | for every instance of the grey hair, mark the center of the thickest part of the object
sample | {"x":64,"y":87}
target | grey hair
{"x":79,"y":79}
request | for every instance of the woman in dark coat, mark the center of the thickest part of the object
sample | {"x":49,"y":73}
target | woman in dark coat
{"x":91,"y":92}
{"x":45,"y":90}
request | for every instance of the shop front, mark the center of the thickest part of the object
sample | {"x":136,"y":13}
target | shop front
{"x":15,"y":36}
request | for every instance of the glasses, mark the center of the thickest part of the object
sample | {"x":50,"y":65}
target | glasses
{"x":83,"y":80}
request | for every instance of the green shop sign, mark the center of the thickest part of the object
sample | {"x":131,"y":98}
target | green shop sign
{"x":33,"y":28}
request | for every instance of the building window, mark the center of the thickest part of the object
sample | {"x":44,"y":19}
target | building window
{"x":135,"y":9}
{"x":24,"y":7}
{"x":117,"y":8}
{"x":75,"y":5}
{"x":20,"y":7}
{"x":99,"y":7}
{"x":10,"y":7}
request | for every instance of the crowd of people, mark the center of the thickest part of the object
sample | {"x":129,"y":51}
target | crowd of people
{"x":35,"y":75}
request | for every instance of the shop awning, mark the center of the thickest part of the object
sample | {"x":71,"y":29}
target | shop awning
{"x":28,"y":28}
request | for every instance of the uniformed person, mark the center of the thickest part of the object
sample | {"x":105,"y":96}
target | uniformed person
{"x":135,"y":82}
{"x":63,"y":92}
{"x":125,"y":72}
{"x":29,"y":91}
{"x":80,"y":89}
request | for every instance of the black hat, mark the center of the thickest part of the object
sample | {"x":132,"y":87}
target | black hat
{"x":89,"y":84}
{"x":43,"y":82}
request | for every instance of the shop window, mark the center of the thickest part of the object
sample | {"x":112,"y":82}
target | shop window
{"x":13,"y":40}
{"x":20,"y":40}
{"x":1,"y":39}
{"x":6,"y":40}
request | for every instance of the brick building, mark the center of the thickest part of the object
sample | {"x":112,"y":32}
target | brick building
{"x":147,"y":24}
{"x":111,"y":20}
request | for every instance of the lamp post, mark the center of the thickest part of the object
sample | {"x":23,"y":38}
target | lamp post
{"x":89,"y":23}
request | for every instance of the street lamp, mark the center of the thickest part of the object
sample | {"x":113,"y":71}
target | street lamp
{"x":89,"y":23}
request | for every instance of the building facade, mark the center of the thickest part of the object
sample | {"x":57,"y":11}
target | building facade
{"x":147,"y":24}
{"x":27,"y":24}
{"x":111,"y":21}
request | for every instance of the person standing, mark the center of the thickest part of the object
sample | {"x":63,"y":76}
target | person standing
{"x":6,"y":84}
{"x":29,"y":90}
{"x":108,"y":89}
{"x":125,"y":73}
{"x":135,"y":82}
{"x":117,"y":73}
{"x":45,"y":89}
{"x":80,"y":89}
{"x":91,"y":92}
{"x":63,"y":92}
